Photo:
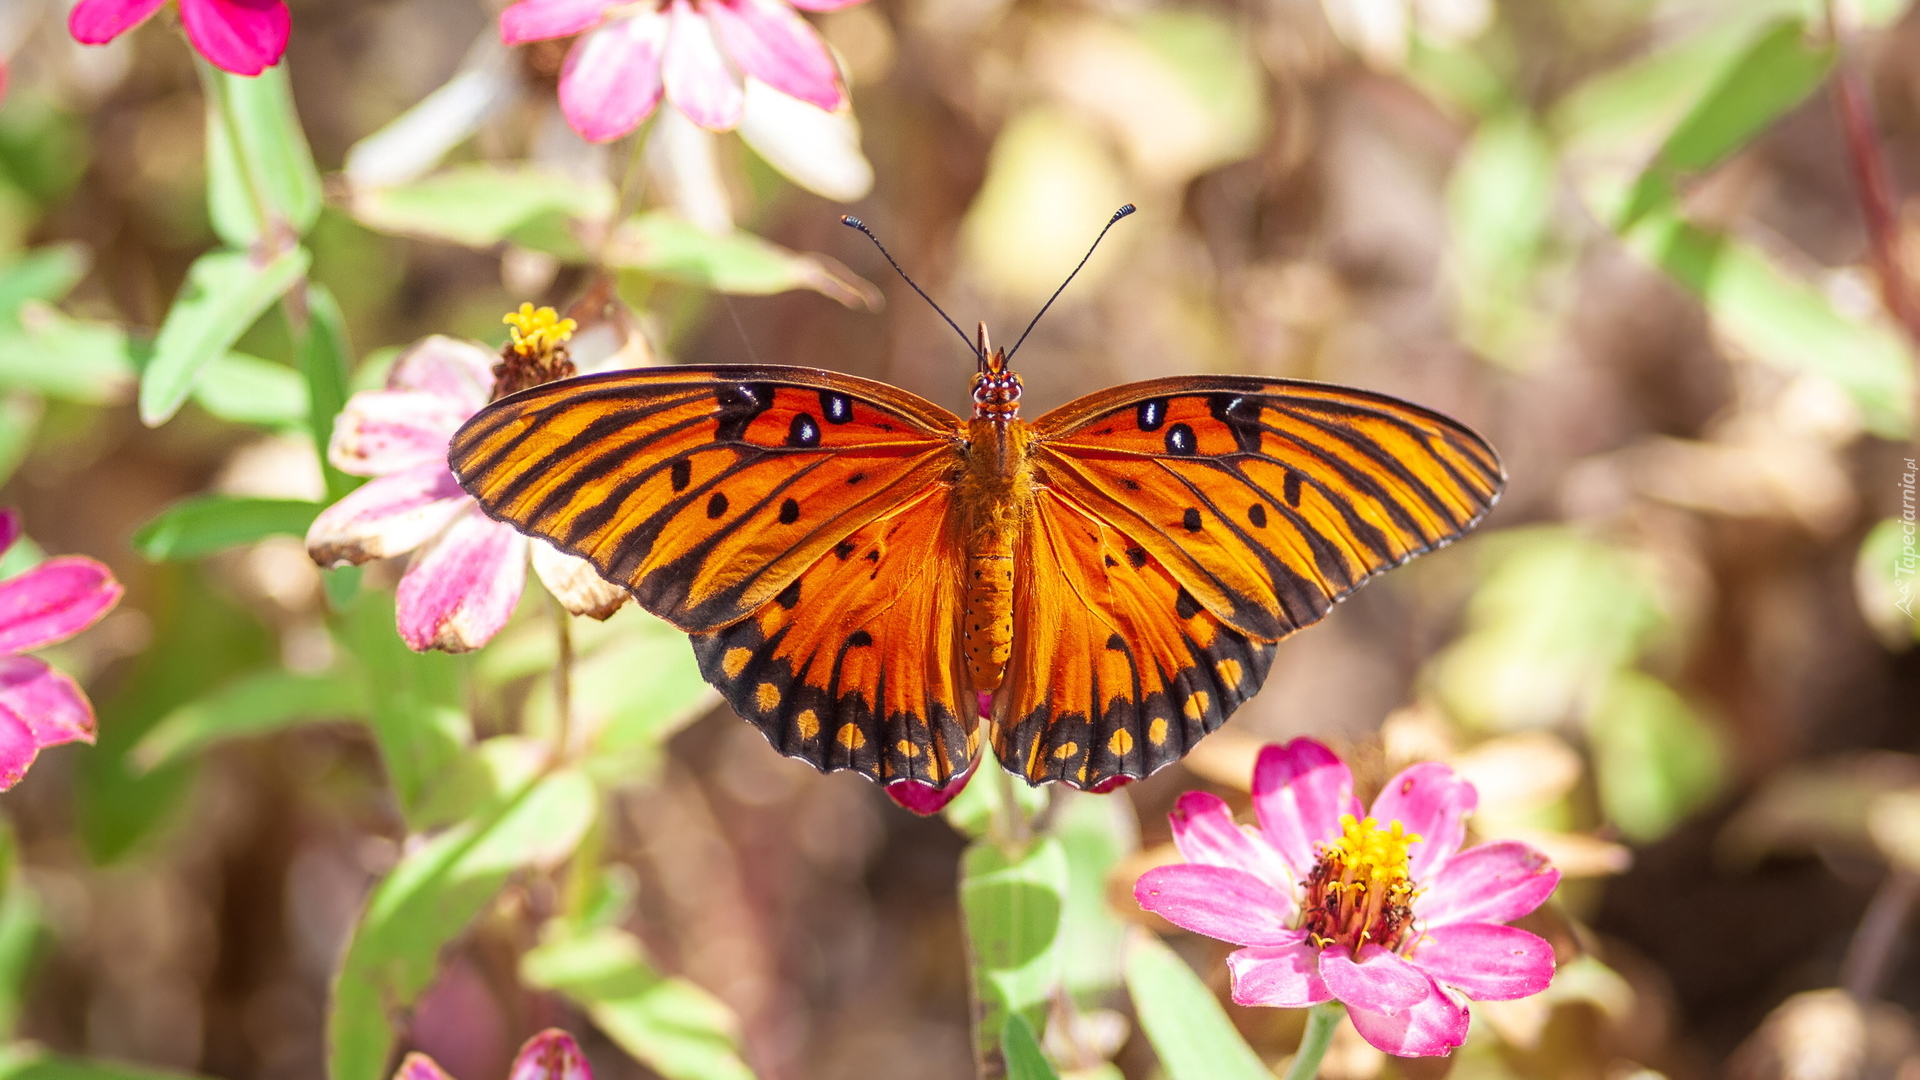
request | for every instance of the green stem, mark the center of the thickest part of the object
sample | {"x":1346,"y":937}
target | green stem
{"x":275,"y":234}
{"x":562,"y":682}
{"x":1322,"y":1021}
{"x":1011,"y":829}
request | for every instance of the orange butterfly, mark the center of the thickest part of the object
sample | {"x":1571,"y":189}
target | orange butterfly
{"x":863,"y":573}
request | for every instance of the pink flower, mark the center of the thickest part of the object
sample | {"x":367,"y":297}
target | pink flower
{"x":697,"y":52}
{"x":1383,"y":911}
{"x":40,"y":707}
{"x":550,"y":1055}
{"x":468,"y":570}
{"x":245,"y":37}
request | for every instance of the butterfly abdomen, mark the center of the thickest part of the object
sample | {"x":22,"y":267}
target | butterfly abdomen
{"x":995,"y":496}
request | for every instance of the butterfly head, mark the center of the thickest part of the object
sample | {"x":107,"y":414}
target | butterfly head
{"x":996,"y":389}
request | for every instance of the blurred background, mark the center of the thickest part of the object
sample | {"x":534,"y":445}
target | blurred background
{"x":1623,"y":239}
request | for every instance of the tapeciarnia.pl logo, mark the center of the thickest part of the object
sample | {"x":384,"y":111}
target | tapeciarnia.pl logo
{"x":1903,"y":567}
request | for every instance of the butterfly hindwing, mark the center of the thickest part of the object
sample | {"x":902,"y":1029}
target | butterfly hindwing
{"x":1267,"y":499}
{"x":1117,"y":669}
{"x":705,"y":490}
{"x":856,"y":664}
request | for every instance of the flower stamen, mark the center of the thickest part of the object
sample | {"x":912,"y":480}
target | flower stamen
{"x":1360,"y":890}
{"x":535,"y":352}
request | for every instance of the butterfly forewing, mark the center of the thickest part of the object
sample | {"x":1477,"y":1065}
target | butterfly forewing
{"x":704,"y":490}
{"x":1268,"y":500}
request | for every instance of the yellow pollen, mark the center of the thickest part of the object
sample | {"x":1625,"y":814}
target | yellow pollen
{"x":1360,"y":889}
{"x":538,"y":330}
{"x":1380,"y":853}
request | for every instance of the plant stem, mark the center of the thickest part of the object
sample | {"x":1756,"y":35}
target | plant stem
{"x":1322,"y":1021}
{"x":562,"y":682}
{"x":1010,"y":827}
{"x":1874,"y":940}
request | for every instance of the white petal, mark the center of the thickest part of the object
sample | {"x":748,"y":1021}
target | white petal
{"x":575,"y":583}
{"x":817,"y":149}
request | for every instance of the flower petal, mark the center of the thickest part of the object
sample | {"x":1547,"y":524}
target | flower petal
{"x":1435,"y":1025}
{"x":418,"y":1066}
{"x":51,"y":703}
{"x":9,"y":528}
{"x":457,"y":370}
{"x":1379,"y":980}
{"x":1231,"y":905}
{"x":1492,"y":883}
{"x":388,"y":516}
{"x":815,"y":148}
{"x":96,"y":22}
{"x":385,"y":431}
{"x":18,"y":748}
{"x":1486,"y":962}
{"x":1299,"y":792}
{"x":538,"y":20}
{"x":611,"y":82}
{"x":923,"y":798}
{"x":1280,"y":977}
{"x":54,"y":601}
{"x":824,"y":5}
{"x":462,"y":588}
{"x":1434,"y":801}
{"x":575,"y":583}
{"x":245,"y":37}
{"x":550,"y":1055}
{"x":1206,"y":834}
{"x":771,"y":42}
{"x":698,"y":80}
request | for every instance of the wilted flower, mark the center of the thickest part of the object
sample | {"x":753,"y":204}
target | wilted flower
{"x":41,"y":707}
{"x":550,"y":1055}
{"x":1381,"y":910}
{"x":698,"y":53}
{"x":466,"y":578}
{"x":245,"y":37}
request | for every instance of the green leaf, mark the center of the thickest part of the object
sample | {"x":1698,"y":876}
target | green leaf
{"x":326,"y":359}
{"x":1183,"y":1020}
{"x":45,"y":274}
{"x":225,"y":293}
{"x":419,"y":716}
{"x":261,"y":179}
{"x":436,"y":891}
{"x":200,"y":526}
{"x":1025,"y":1061}
{"x":1500,"y":202}
{"x":253,"y":704}
{"x":1655,"y":759}
{"x":667,"y":1024}
{"x":668,"y":246}
{"x":484,"y":205}
{"x":1012,"y":907}
{"x":1096,"y":832}
{"x":248,"y":390}
{"x":47,"y":352}
{"x":972,"y":811}
{"x":25,"y":1063}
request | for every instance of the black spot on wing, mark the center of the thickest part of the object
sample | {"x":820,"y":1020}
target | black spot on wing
{"x":1151,"y":414}
{"x":1257,"y":514}
{"x":837,"y":408}
{"x":740,"y":404}
{"x":789,"y":597}
{"x":1242,"y":418}
{"x":1180,"y":440}
{"x":717,"y":505}
{"x":1185,"y":606}
{"x":804,"y":432}
{"x":789,"y":512}
{"x":681,"y":475}
{"x":1290,"y":490}
{"x":1191,"y":519}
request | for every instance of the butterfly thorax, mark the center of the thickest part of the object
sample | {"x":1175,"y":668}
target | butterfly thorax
{"x":994,"y":498}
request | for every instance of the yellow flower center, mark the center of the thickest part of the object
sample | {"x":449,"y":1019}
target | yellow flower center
{"x":538,"y":331}
{"x":1359,"y":891}
{"x":536,"y":350}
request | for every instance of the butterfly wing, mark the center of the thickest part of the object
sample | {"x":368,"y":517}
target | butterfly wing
{"x":1184,"y":525}
{"x":857,"y":664}
{"x":705,"y":490}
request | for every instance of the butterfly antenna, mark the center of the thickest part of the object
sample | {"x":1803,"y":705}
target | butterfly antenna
{"x":1111,"y":222}
{"x":855,"y":223}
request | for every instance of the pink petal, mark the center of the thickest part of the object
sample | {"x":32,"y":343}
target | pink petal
{"x":418,"y":1066}
{"x":387,"y":517}
{"x":1432,"y":800}
{"x":923,"y":798}
{"x":54,"y":601}
{"x":9,"y":529}
{"x":245,"y":37}
{"x":462,"y":588}
{"x":18,"y":748}
{"x":1380,"y":980}
{"x":698,"y":80}
{"x":1231,"y":905}
{"x":456,"y":370}
{"x":1299,"y":792}
{"x":50,"y":702}
{"x":769,"y":41}
{"x":1486,"y":962}
{"x":1206,"y":834}
{"x":825,"y":5}
{"x":611,"y":82}
{"x":1492,"y":883}
{"x":96,"y":22}
{"x":1435,"y":1025}
{"x":386,"y":431}
{"x":538,"y":20}
{"x":1111,"y":784}
{"x":1282,"y":977}
{"x":550,"y":1055}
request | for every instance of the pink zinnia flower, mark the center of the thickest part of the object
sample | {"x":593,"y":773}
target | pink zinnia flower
{"x":1382,"y":911}
{"x":469,"y":570}
{"x":245,"y":37}
{"x":550,"y":1055}
{"x":697,"y":52}
{"x":40,"y":707}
